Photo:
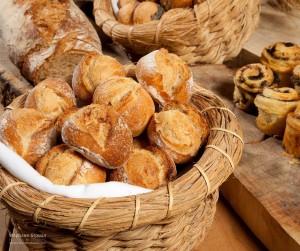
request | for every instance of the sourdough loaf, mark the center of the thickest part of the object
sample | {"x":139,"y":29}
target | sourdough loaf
{"x":47,"y":37}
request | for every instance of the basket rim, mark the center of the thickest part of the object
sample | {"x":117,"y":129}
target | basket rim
{"x":167,"y":201}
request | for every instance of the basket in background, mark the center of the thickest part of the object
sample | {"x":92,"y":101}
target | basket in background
{"x":211,"y":32}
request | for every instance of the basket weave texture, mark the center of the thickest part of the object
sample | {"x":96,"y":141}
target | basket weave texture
{"x":211,"y":32}
{"x":172,"y":217}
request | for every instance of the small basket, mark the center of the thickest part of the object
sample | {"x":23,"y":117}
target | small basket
{"x":211,"y":32}
{"x":173,"y":217}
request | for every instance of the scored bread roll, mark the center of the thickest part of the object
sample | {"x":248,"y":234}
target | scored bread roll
{"x":129,"y":99}
{"x":165,"y":76}
{"x":51,"y":97}
{"x":27,"y":132}
{"x":100,"y":134}
{"x":64,"y":166}
{"x":273,"y":107}
{"x":149,"y":168}
{"x":63,"y":118}
{"x":146,"y":12}
{"x":179,"y":129}
{"x":92,"y":70}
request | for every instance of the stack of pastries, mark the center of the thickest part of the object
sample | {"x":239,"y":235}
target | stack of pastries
{"x":271,"y":87}
{"x":109,"y":127}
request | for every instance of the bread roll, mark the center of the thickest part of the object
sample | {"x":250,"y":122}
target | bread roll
{"x":129,"y":99}
{"x":51,"y":97}
{"x":46,"y":38}
{"x":146,"y":12}
{"x":27,"y":132}
{"x":179,"y":129}
{"x":282,"y":58}
{"x":250,"y":80}
{"x":64,"y":166}
{"x":291,"y":138}
{"x":92,"y":70}
{"x":100,"y":134}
{"x":172,"y":4}
{"x":165,"y":76}
{"x":149,"y":168}
{"x":122,"y":3}
{"x":125,"y":15}
{"x":64,"y":117}
{"x":296,"y":78}
{"x":273,"y":107}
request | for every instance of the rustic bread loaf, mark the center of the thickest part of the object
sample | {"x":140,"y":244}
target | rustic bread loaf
{"x":165,"y":76}
{"x":92,"y":70}
{"x":51,"y":97}
{"x":46,"y":38}
{"x":179,"y":129}
{"x":100,"y":134}
{"x":27,"y":132}
{"x":64,"y":166}
{"x":149,"y":168}
{"x":129,"y":99}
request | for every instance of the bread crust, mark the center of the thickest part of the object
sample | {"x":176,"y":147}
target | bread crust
{"x":27,"y":132}
{"x":129,"y":99}
{"x":100,"y":134}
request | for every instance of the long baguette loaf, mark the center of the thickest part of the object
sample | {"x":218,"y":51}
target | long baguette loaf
{"x":46,"y":38}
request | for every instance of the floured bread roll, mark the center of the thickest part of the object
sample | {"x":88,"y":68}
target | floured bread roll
{"x":149,"y":168}
{"x":172,"y":4}
{"x":64,"y":166}
{"x":296,"y":78}
{"x":27,"y":132}
{"x":129,"y":99}
{"x":51,"y":97}
{"x":179,"y":129}
{"x":249,"y":81}
{"x":273,"y":106}
{"x":92,"y":70}
{"x":165,"y":76}
{"x":282,"y":58}
{"x":291,"y":138}
{"x":100,"y":134}
{"x":146,"y":12}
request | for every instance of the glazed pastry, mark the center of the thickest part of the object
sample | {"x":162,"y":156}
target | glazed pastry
{"x":282,"y":58}
{"x":146,"y":12}
{"x":291,"y":136}
{"x":273,"y":107}
{"x":296,"y":78}
{"x":249,"y":81}
{"x":129,"y":99}
{"x":179,"y":129}
{"x":165,"y":76}
{"x":64,"y":166}
{"x":149,"y":168}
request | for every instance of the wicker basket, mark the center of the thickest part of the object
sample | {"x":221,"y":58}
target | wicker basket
{"x":173,"y":217}
{"x":211,"y":32}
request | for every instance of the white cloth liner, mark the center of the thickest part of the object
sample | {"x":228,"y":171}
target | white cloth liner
{"x":19,"y":168}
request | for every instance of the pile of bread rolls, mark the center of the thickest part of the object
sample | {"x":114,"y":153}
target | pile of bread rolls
{"x":106,"y":126}
{"x":143,"y":11}
{"x":272,"y":88}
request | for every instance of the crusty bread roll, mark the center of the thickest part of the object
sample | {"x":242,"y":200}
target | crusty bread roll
{"x":172,"y":4}
{"x":51,"y":97}
{"x":63,"y":118}
{"x":64,"y":166}
{"x":273,"y":105}
{"x":27,"y":132}
{"x":291,"y":138}
{"x":165,"y":76}
{"x":146,"y":12}
{"x":100,"y":134}
{"x":149,"y":168}
{"x":296,"y":78}
{"x":92,"y":70}
{"x":129,"y":99}
{"x":250,"y":80}
{"x":179,"y":129}
{"x":125,"y":14}
{"x":46,"y":38}
{"x":282,"y":58}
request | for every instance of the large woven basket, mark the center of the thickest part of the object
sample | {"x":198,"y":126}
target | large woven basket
{"x":211,"y":32}
{"x":173,"y":217}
